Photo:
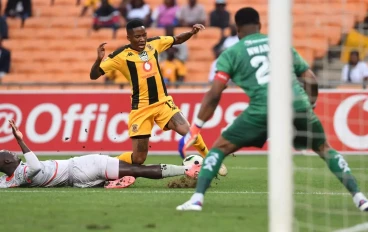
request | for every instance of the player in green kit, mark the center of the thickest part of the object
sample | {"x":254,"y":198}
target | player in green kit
{"x":247,"y":65}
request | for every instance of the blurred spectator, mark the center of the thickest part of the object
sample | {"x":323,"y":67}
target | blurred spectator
{"x":356,"y":71}
{"x":4,"y":60}
{"x":191,"y":14}
{"x":220,"y":17}
{"x":106,"y":17}
{"x":136,"y":9}
{"x":172,"y":69}
{"x":182,"y":49}
{"x":165,"y":14}
{"x":3,"y":24}
{"x":93,"y":4}
{"x":19,"y":9}
{"x":226,"y":42}
{"x":231,"y":39}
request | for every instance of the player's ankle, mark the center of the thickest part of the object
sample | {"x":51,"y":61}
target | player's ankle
{"x":197,"y":197}
{"x":358,"y":197}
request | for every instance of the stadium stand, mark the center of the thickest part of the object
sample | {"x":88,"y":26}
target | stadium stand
{"x":57,"y":45}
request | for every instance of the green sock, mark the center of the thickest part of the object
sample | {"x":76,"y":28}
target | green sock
{"x":338,"y":166}
{"x":210,"y":167}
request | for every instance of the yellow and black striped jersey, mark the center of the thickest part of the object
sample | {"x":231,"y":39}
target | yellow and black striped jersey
{"x":142,"y":70}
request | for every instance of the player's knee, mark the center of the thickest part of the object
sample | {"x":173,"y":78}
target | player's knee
{"x":322,"y":149}
{"x":184,"y":129}
{"x":225,"y":146}
{"x":138,"y":159}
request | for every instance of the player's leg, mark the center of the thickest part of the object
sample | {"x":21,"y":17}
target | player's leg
{"x":124,"y":174}
{"x":244,"y":132}
{"x":90,"y":170}
{"x":140,"y":151}
{"x":316,"y":140}
{"x":140,"y":126}
{"x":179,"y":124}
{"x":155,"y":171}
{"x":169,"y":117}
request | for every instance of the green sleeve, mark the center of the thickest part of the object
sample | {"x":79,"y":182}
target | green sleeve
{"x":223,"y":63}
{"x":299,"y":64}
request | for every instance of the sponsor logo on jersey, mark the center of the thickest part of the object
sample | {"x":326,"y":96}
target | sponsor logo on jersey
{"x":147,"y":66}
{"x":130,"y":54}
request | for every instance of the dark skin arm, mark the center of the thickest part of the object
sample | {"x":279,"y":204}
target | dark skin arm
{"x":310,"y":85}
{"x":95,"y":70}
{"x":211,"y":100}
{"x":19,"y":136}
{"x":179,"y":39}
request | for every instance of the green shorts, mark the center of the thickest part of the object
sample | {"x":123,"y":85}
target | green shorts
{"x":250,"y":130}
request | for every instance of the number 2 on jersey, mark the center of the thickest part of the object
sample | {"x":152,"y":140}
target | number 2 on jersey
{"x":262,"y":64}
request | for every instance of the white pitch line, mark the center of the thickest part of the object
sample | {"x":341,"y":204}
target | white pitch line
{"x":164,"y":192}
{"x":296,"y":168}
{"x":356,"y":228}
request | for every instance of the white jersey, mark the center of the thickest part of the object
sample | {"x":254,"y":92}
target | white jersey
{"x":53,"y":173}
{"x":84,"y":171}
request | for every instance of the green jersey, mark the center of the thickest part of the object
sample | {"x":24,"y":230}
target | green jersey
{"x":247,"y":64}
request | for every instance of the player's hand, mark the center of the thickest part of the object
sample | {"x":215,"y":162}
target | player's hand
{"x":196,"y":28}
{"x":191,"y":136}
{"x":16,"y":132}
{"x":101,"y":51}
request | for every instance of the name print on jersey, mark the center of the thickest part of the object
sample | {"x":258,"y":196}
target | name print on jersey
{"x":263,"y":48}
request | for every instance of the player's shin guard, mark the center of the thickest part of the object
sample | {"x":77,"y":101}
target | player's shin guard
{"x":126,"y":157}
{"x":210,"y":167}
{"x":338,"y":166}
{"x":200,"y":146}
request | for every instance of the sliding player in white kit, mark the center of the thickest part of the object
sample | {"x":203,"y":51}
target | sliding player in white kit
{"x":83,"y":172}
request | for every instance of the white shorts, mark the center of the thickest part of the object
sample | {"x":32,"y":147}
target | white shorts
{"x":92,"y":170}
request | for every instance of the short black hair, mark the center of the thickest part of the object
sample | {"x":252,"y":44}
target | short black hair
{"x":355,"y":52}
{"x":247,"y":16}
{"x":134,"y":24}
{"x":5,"y":152}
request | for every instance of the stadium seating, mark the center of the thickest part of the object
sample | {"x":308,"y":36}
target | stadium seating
{"x":58,"y":45}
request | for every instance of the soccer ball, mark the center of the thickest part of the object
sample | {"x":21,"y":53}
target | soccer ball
{"x":192,"y":159}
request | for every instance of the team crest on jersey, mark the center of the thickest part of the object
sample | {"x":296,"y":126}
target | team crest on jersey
{"x":149,"y":47}
{"x":147,"y":66}
{"x":130,"y":54}
{"x":143,"y":56}
{"x":135,"y":128}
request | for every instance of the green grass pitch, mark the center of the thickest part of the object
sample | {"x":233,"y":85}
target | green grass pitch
{"x":237,"y":202}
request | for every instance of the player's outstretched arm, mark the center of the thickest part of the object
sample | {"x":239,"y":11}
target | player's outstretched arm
{"x":34,"y":165}
{"x":310,"y":85}
{"x":95,"y":70}
{"x":209,"y":103}
{"x":19,"y":137}
{"x":179,"y":39}
{"x":211,"y":100}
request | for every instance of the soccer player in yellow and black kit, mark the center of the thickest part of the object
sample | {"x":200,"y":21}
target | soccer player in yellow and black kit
{"x":150,"y":103}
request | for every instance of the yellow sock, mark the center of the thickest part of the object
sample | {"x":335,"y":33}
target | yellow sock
{"x":126,"y":157}
{"x":201,"y":146}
